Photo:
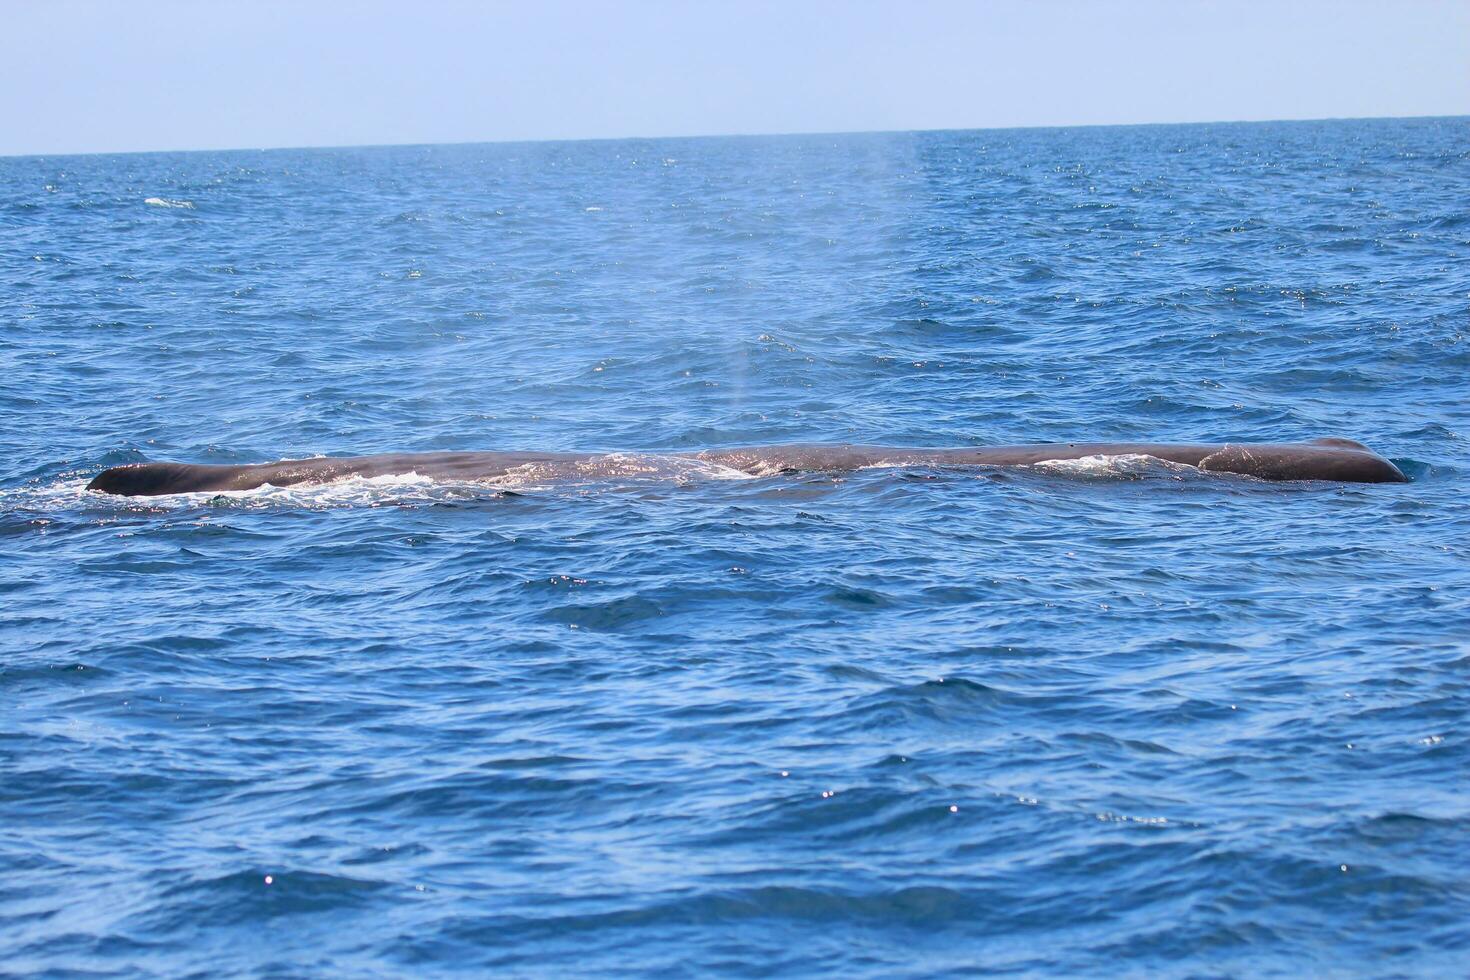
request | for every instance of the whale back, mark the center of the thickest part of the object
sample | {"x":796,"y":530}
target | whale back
{"x":152,"y":479}
{"x":1339,"y":460}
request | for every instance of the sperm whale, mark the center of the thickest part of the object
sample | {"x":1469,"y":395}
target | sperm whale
{"x":1341,"y":460}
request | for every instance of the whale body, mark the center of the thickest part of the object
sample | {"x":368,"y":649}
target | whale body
{"x":1341,"y":460}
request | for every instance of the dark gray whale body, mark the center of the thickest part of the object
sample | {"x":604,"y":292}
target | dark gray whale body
{"x":1340,"y":460}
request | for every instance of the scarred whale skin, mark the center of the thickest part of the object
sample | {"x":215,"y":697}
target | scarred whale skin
{"x":1340,"y":460}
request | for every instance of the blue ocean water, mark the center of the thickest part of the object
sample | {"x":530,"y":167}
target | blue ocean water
{"x":1100,"y":718}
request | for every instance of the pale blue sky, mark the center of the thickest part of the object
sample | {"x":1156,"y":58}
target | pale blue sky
{"x":154,"y":74}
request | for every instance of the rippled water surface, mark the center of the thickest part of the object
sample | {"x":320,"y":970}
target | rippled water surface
{"x":1107,"y":717}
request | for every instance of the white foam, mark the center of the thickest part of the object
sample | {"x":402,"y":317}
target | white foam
{"x":620,"y":468}
{"x":352,"y":492}
{"x":611,"y":472}
{"x":356,"y":491}
{"x":63,"y":495}
{"x":1122,"y":466}
{"x":164,"y":202}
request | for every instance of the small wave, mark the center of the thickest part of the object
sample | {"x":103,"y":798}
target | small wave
{"x":1417,"y":469}
{"x":915,"y":903}
{"x":244,"y":897}
{"x":165,"y":202}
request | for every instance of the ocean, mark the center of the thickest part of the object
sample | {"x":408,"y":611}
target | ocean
{"x":1105,"y":717}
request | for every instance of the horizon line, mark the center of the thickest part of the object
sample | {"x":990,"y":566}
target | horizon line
{"x":701,"y":136}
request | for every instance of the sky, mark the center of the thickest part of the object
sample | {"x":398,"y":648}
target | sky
{"x":78,"y":76}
